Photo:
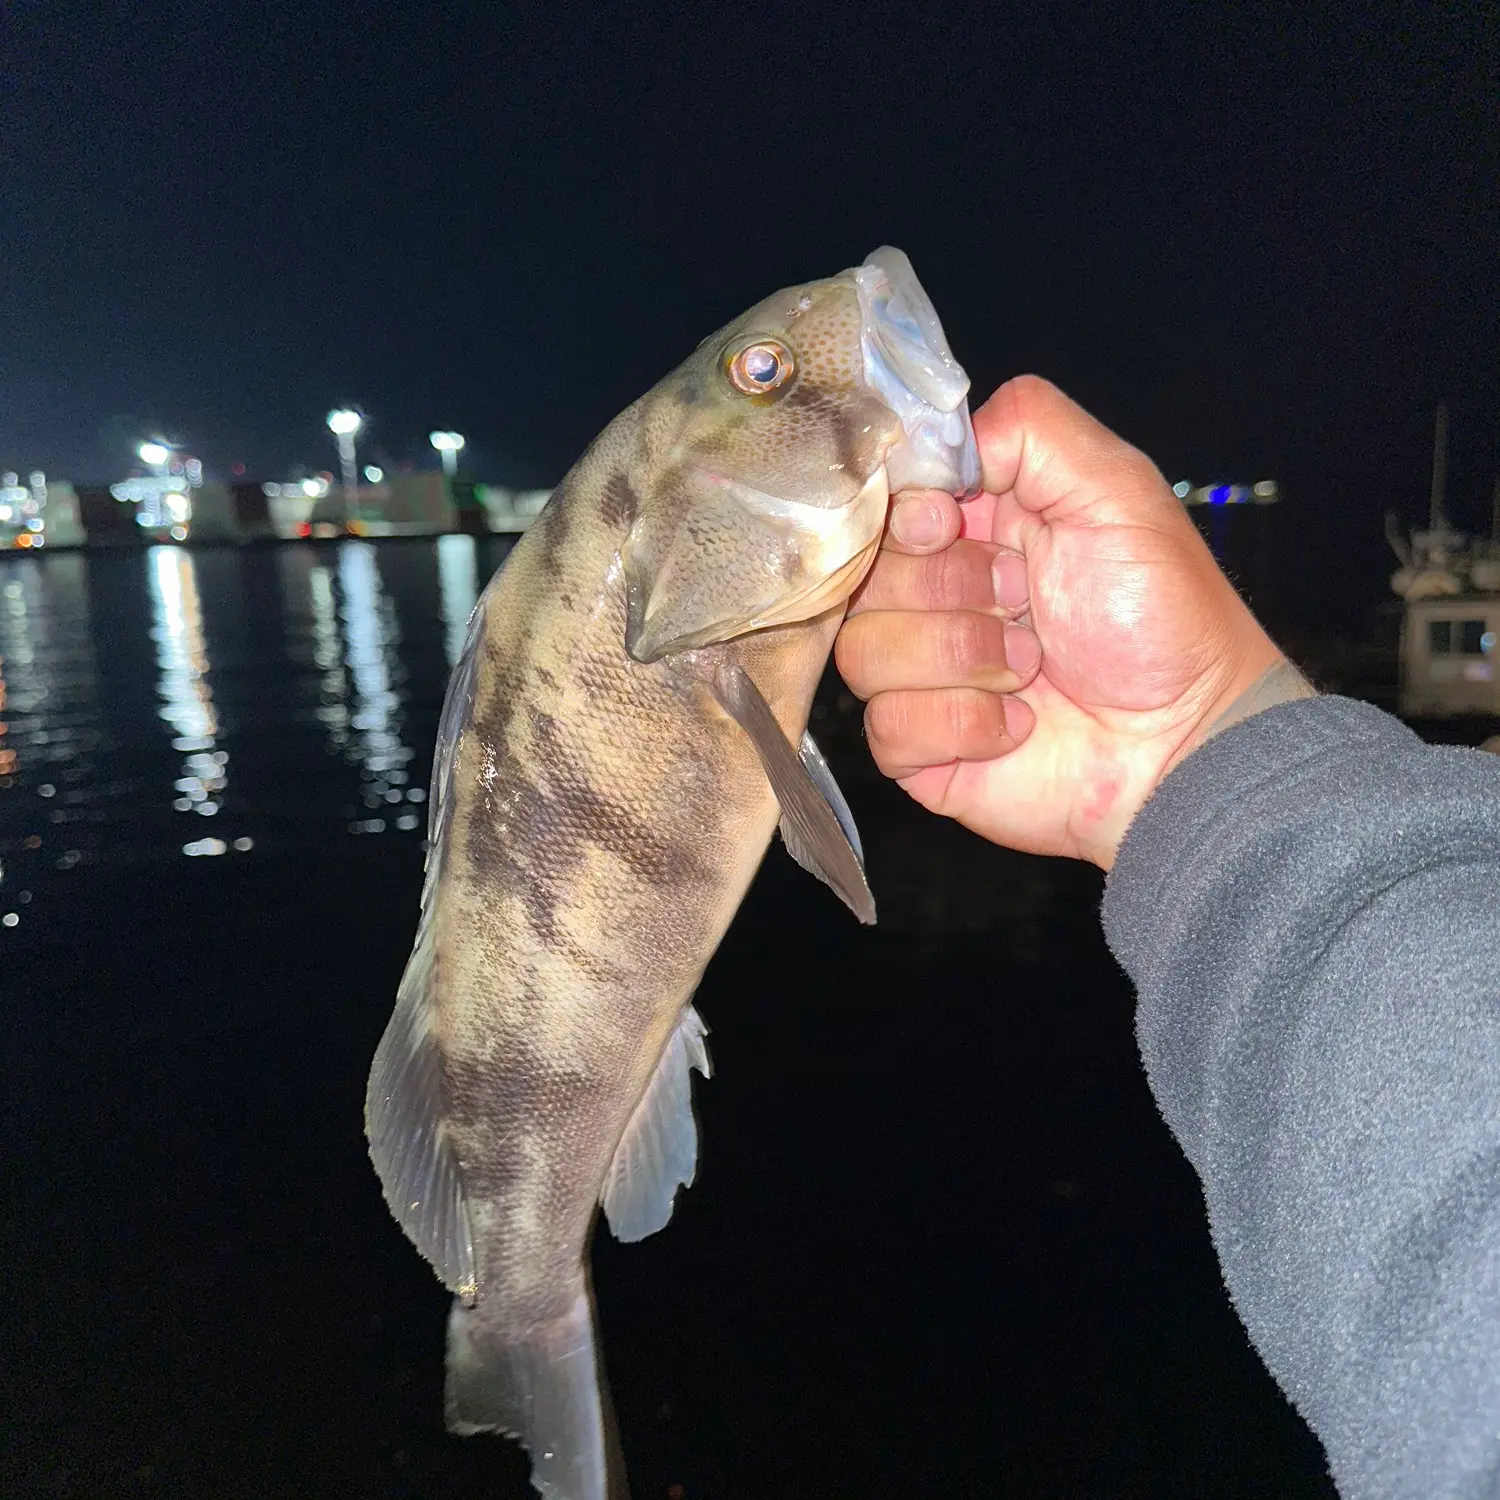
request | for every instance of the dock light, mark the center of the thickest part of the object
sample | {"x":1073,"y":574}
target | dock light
{"x":448,"y":445}
{"x":344,"y":424}
{"x":153,"y":453}
{"x":1262,"y":492}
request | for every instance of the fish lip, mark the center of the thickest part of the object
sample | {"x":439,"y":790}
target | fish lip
{"x":908,"y":366}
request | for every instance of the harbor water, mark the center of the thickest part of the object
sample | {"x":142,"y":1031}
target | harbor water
{"x":941,"y":1243}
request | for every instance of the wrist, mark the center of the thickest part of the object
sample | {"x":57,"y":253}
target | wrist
{"x":1262,"y":686}
{"x":1260,"y":680}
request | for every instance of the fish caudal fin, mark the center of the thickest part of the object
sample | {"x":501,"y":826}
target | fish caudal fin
{"x":541,"y":1383}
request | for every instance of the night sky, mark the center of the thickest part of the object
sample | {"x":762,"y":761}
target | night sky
{"x":1257,"y":242}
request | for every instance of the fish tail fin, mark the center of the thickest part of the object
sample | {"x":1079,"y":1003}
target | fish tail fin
{"x":543,"y":1384}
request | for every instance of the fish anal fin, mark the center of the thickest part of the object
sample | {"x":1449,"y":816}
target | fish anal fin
{"x":658,"y":1152}
{"x":816,"y":823}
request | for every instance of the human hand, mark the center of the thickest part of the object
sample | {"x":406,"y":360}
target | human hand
{"x":1036,"y":660}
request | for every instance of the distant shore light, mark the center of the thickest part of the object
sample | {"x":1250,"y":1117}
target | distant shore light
{"x":447,"y":445}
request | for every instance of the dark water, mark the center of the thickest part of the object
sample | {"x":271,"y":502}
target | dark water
{"x":940,"y":1245}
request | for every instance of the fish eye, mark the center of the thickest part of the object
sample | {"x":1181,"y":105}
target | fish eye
{"x":760,"y":367}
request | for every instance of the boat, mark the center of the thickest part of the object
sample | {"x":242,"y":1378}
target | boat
{"x":1450,"y":587}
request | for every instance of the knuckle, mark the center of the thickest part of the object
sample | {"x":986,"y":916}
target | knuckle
{"x":885,"y":719}
{"x":883,"y":734}
{"x":967,"y":718}
{"x":965,"y":645}
{"x":1138,"y":470}
{"x":932,"y":581}
{"x":852,"y":656}
{"x":1028,"y":390}
{"x":943,"y":583}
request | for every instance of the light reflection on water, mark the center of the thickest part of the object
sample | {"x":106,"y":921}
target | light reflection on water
{"x":50,"y":726}
{"x":458,"y":578}
{"x":191,"y":702}
{"x":187,"y":702}
{"x":371,"y":638}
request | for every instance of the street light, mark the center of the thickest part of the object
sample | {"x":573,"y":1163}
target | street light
{"x":153,"y":454}
{"x":447,"y":445}
{"x":344,"y":424}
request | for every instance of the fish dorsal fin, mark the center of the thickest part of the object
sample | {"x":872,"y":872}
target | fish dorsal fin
{"x":406,"y":1100}
{"x":659,"y":1151}
{"x":815,"y":820}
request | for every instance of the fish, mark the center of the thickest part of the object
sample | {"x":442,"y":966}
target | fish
{"x":622,"y":734}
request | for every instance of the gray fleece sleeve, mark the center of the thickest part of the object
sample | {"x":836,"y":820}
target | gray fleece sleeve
{"x":1310,"y":909}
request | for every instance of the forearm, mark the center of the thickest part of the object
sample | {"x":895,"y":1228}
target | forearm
{"x":1307,"y":909}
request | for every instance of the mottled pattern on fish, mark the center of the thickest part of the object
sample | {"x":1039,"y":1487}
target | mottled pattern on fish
{"x":636,"y":681}
{"x":609,"y":819}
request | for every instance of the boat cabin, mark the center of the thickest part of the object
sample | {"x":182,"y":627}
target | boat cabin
{"x":1448,"y":656}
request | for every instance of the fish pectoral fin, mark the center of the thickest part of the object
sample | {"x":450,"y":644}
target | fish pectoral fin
{"x":409,"y":1142}
{"x":659,"y":1151}
{"x":816,"y":823}
{"x":817,"y":767}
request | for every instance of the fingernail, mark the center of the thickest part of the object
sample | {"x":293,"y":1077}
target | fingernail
{"x":1018,"y":718}
{"x":1012,"y":589}
{"x":916,"y":523}
{"x":1023,"y":651}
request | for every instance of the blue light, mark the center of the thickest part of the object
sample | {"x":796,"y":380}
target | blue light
{"x":1219,"y":495}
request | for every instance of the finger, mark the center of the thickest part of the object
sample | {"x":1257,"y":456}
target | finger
{"x":908,"y":731}
{"x":922,"y":521}
{"x":887,"y":650}
{"x":1047,"y":451}
{"x":967,"y":575}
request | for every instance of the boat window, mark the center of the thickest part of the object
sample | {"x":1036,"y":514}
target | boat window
{"x":1459,"y":638}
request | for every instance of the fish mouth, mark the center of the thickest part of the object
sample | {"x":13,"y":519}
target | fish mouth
{"x":909,"y":367}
